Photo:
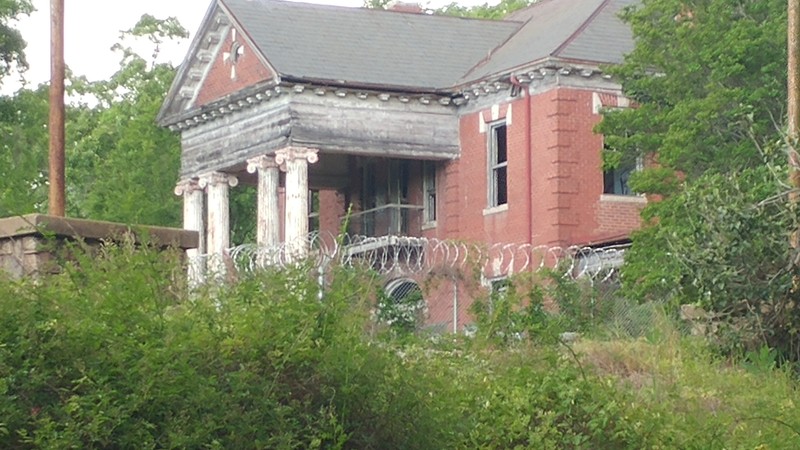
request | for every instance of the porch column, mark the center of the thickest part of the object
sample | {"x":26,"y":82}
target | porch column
{"x":193,"y":220}
{"x":294,"y":161}
{"x":269,"y":225}
{"x":219,"y":228}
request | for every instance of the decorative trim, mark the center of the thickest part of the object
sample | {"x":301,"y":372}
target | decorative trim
{"x":262,"y":162}
{"x":601,"y":100}
{"x":611,"y":198}
{"x":252,"y":97}
{"x":187,"y":186}
{"x":428,"y":225}
{"x":495,"y":209}
{"x":539,"y":70}
{"x":217,"y":178}
{"x":456,"y":97}
{"x":288,"y":154}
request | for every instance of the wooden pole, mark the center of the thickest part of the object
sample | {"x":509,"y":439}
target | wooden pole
{"x":56,"y":177}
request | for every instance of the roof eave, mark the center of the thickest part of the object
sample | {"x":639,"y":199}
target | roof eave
{"x":366,"y":85}
{"x":183,"y":69}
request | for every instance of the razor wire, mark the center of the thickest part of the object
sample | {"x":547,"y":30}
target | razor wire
{"x":404,"y":263}
{"x":418,"y":256}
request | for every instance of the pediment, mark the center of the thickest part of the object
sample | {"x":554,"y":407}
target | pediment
{"x":222,"y":60}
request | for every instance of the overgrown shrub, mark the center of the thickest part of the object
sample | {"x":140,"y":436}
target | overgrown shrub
{"x":723,"y":244}
{"x":115,"y":352}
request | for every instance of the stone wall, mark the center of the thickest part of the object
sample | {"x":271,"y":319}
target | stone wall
{"x":27,"y":242}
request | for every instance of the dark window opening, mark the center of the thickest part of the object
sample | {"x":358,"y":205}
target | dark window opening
{"x":498,"y":154}
{"x":313,"y":210}
{"x":429,"y":188}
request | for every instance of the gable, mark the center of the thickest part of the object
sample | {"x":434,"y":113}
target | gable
{"x":206,"y":72}
{"x":576,"y":30}
{"x":234,"y":66}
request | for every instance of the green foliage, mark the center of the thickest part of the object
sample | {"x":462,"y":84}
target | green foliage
{"x":23,"y":152}
{"x":116,"y":352}
{"x":404,"y":314}
{"x":122,"y":166}
{"x":709,"y":78}
{"x":540,"y":306}
{"x":723,"y":244}
{"x":484,"y":11}
{"x":12,"y":45}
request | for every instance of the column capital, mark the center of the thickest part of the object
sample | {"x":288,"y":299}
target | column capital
{"x":288,"y":154}
{"x":262,"y":162}
{"x":217,"y":178}
{"x":187,"y":186}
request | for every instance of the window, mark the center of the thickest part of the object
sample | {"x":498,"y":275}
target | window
{"x":499,"y":286}
{"x":615,"y":181}
{"x":313,"y":210}
{"x":498,"y":165}
{"x":498,"y":289}
{"x":429,"y":191}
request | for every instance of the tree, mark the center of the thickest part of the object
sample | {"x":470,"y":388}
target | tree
{"x":709,"y":81}
{"x":483,"y":11}
{"x":709,"y":77}
{"x":122,"y":167}
{"x":12,"y":45}
{"x":23,"y":152}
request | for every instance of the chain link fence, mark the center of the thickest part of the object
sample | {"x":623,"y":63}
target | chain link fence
{"x":439,"y":280}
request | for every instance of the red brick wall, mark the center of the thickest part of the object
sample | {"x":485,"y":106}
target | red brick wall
{"x":617,"y":216}
{"x":218,"y":83}
{"x":332,"y":208}
{"x":467,"y":215}
{"x":559,"y":202}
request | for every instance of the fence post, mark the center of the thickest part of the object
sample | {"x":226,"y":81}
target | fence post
{"x":455,"y":306}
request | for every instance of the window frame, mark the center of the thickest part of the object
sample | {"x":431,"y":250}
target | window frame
{"x":314,"y":224}
{"x":495,"y":167}
{"x":429,"y":192}
{"x":636,"y":167}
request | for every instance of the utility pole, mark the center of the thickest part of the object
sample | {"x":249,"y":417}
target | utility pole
{"x":56,"y":177}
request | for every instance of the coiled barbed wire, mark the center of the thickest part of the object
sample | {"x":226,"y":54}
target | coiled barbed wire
{"x":404,"y":255}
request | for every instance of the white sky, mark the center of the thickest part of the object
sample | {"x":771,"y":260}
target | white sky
{"x":93,"y":26}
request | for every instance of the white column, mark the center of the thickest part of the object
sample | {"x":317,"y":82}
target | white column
{"x":294,"y":161}
{"x":269,"y":226}
{"x":219,"y":228}
{"x":193,"y":219}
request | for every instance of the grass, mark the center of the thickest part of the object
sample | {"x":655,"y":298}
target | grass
{"x":719,"y":402}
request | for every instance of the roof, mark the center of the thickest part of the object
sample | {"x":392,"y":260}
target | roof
{"x":582,"y":30}
{"x":399,"y":49}
{"x":367,"y":46}
{"x":410,"y":52}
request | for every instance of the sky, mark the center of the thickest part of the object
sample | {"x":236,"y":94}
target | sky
{"x":92,"y":26}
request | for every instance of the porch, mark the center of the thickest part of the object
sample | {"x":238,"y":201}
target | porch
{"x":375,"y":155}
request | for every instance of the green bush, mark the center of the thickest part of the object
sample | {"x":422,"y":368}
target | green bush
{"x":723,"y":244}
{"x":115,"y":352}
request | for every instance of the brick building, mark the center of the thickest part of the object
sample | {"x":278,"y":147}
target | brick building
{"x":423,"y":125}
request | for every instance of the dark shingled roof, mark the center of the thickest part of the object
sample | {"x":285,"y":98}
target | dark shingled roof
{"x":584,"y":30}
{"x":367,"y":46}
